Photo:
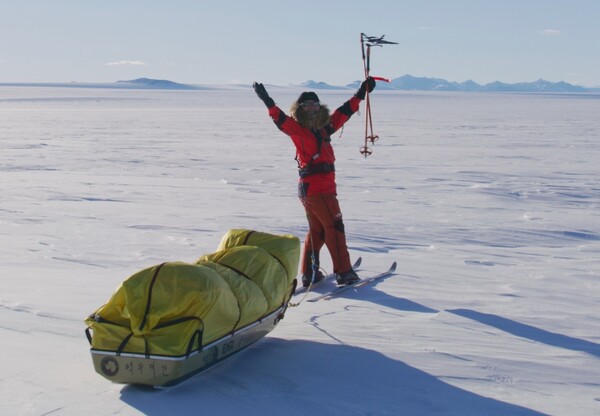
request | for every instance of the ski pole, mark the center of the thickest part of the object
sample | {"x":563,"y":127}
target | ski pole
{"x":365,"y":150}
{"x":370,"y":137}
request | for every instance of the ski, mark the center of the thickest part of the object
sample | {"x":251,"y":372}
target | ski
{"x":359,"y":283}
{"x":302,"y":289}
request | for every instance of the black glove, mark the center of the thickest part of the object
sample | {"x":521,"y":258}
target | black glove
{"x":368,"y":84}
{"x":263,"y":95}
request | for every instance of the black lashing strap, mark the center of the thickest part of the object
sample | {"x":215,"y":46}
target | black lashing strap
{"x":148,"y":304}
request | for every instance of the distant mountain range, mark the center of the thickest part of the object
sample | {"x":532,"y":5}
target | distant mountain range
{"x":412,"y":83}
{"x":155,"y":84}
{"x":403,"y":83}
{"x":140,"y":83}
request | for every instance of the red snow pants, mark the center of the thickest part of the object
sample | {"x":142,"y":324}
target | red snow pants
{"x":325,"y":227}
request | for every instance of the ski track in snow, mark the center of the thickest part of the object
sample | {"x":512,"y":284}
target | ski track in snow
{"x":489,"y":203}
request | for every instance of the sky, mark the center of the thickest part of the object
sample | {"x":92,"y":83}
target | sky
{"x":288,"y":42}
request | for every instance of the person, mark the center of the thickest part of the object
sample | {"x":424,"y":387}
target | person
{"x":310,"y":127}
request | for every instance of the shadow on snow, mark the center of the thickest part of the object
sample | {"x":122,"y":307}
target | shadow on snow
{"x":530,"y":332}
{"x":277,"y":376}
{"x":370,"y":293}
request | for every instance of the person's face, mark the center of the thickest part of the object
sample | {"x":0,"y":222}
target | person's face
{"x":311,"y":106}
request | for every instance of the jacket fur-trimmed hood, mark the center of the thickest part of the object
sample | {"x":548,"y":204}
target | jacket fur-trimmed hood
{"x":310,"y":120}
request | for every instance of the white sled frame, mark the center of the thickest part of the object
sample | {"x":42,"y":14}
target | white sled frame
{"x":160,"y":370}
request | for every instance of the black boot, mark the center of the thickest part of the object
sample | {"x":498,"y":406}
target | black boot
{"x":347,"y":278}
{"x":308,"y":266}
{"x":306,"y":278}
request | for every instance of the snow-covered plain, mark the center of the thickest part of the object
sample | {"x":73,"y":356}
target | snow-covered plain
{"x":489,"y":203}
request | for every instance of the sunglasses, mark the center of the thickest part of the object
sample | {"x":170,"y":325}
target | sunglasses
{"x":310,"y":104}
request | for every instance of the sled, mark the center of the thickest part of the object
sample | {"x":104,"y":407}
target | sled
{"x":173,"y":320}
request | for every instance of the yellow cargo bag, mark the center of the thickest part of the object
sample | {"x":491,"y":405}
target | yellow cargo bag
{"x":175,"y":308}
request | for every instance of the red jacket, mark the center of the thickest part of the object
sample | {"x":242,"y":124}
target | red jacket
{"x":307,"y":145}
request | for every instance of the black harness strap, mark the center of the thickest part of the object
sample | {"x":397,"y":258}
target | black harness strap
{"x":314,"y":168}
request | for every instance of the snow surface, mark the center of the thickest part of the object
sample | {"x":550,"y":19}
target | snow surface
{"x":489,"y":203}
